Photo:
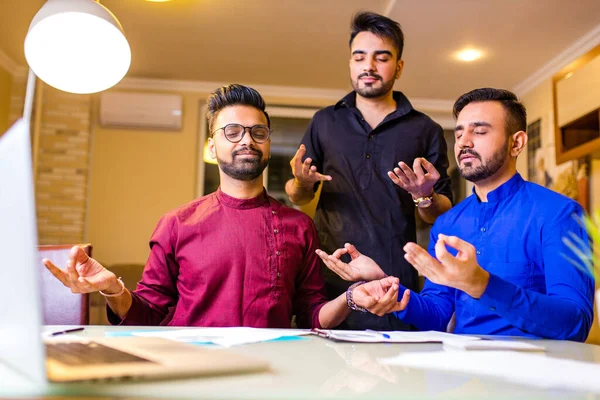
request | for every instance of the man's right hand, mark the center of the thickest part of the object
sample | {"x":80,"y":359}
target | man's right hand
{"x":84,"y":274}
{"x":381,"y":297}
{"x":305,"y":175}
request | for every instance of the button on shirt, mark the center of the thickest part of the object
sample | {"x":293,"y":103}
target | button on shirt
{"x":533,"y":289}
{"x":222,"y":261}
{"x":361,"y":204}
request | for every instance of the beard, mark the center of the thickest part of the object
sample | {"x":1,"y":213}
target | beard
{"x":486,"y":168}
{"x":244,"y":169}
{"x":368,"y":90}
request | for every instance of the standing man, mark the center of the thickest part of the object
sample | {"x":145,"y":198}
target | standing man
{"x":235,"y":257}
{"x":378,"y":159}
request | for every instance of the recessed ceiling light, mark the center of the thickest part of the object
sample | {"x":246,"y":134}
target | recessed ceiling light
{"x":469,"y":55}
{"x":158,"y":1}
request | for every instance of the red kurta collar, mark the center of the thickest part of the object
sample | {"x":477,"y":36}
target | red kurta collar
{"x":242,"y":204}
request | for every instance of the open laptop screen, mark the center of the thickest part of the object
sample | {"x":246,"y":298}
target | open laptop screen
{"x":20,"y":315}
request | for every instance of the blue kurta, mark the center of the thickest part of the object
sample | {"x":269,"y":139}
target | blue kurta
{"x":533,"y":290}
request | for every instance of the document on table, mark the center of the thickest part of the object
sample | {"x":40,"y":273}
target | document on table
{"x":531,"y":369}
{"x":392,"y":336}
{"x":225,"y":337}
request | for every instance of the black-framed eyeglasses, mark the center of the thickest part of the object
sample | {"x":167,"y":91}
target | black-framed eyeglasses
{"x":235,"y":132}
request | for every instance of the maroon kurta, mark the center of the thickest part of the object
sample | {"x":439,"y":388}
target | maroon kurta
{"x":222,"y":261}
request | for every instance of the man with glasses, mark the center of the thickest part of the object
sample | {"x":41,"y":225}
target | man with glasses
{"x":235,"y":257}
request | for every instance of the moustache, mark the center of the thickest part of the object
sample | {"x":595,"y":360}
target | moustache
{"x":247,"y":150}
{"x":371,"y":74}
{"x":470,"y":152}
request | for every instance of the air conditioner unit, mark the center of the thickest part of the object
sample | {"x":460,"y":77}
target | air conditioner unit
{"x":141,"y":110}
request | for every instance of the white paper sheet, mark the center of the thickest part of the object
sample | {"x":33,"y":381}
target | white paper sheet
{"x":225,"y":337}
{"x":392,"y":337}
{"x":531,"y":369}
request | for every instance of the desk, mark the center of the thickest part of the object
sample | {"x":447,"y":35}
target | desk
{"x":317,"y":368}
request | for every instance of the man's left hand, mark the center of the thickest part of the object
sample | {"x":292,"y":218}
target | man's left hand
{"x":361,"y":268}
{"x":417,"y":182}
{"x":461,"y":272}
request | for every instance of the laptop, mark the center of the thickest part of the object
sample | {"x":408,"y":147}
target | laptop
{"x":22,"y":348}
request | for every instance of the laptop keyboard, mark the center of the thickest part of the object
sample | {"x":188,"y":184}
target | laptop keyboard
{"x":89,"y":353}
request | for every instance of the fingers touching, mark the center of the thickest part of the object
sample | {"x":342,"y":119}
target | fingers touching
{"x":343,"y":270}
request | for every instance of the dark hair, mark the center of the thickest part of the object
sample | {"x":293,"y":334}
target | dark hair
{"x":380,"y":26}
{"x":232,"y":95}
{"x":516,"y":115}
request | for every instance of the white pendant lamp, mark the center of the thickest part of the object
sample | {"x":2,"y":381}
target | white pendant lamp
{"x":77,"y":46}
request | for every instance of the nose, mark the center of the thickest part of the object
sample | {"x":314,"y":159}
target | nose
{"x":465,"y":141}
{"x":369,"y":64}
{"x":247,"y":137}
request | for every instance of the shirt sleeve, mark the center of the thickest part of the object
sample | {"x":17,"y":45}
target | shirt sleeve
{"x":157,"y":290}
{"x":437,"y":154}
{"x":313,"y":146}
{"x":565,"y":311}
{"x":432,"y":309}
{"x":310,"y":285}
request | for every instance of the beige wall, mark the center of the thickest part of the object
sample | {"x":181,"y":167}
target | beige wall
{"x":5,"y":94}
{"x":136,"y":177}
{"x":539,"y":106}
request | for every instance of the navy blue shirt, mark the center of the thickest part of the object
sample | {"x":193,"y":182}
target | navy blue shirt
{"x":533,"y":289}
{"x":361,"y":205}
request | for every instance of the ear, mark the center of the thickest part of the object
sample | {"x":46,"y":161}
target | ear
{"x":212,"y":151}
{"x":399,"y":68}
{"x":519,"y":141}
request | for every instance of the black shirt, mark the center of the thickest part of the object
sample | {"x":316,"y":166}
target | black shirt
{"x":361,"y":205}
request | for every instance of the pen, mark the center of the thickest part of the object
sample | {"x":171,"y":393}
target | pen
{"x":385,"y":335}
{"x":66,"y":331}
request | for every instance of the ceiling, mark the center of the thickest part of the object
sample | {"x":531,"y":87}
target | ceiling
{"x":304,"y":43}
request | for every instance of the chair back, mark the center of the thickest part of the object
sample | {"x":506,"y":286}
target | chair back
{"x":59,"y":305}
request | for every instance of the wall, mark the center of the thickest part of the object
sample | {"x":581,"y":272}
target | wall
{"x":17,"y":97}
{"x":6,"y":80}
{"x":538,"y":102}
{"x":136,"y":177}
{"x":62,"y":131}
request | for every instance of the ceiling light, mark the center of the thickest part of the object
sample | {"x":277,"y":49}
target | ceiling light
{"x":77,"y":46}
{"x":469,"y":55}
{"x":158,"y":1}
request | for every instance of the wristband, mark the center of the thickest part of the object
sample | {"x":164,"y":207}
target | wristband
{"x":350,"y":301}
{"x":120,"y":292}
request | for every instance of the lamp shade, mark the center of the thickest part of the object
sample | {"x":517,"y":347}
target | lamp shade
{"x":77,"y":46}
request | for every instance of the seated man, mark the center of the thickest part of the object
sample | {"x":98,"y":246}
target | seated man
{"x":236,"y":257}
{"x":497,"y":259}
